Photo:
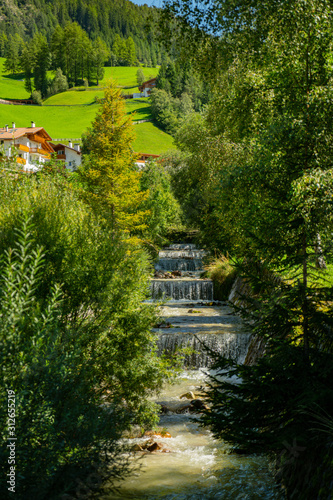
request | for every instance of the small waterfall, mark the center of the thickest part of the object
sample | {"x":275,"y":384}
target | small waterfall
{"x":181,"y":246}
{"x":208,"y":324}
{"x":179,"y":265}
{"x":198,"y":467}
{"x":181,"y":254}
{"x":231,"y":345}
{"x":182,"y":289}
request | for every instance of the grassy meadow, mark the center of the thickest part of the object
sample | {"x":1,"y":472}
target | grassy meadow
{"x":126,"y":76}
{"x":69,"y":114}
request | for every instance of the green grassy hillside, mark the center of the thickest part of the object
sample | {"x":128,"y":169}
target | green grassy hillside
{"x":11,"y":87}
{"x":62,"y":122}
{"x":69,"y":114}
{"x":126,"y":76}
{"x":150,"y":139}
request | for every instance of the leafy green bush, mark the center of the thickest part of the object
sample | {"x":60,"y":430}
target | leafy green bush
{"x":223,"y":274}
{"x":76,"y":344}
{"x":37,"y":97}
{"x":161,"y":203}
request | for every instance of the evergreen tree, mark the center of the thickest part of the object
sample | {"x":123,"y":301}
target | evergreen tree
{"x":109,"y":171}
{"x":14,"y":49}
{"x":117,"y":47}
{"x":76,"y":49}
{"x":130,"y":57}
{"x":27,"y":63}
{"x":3,"y":44}
{"x":100,"y":54}
{"x":41,"y":64}
{"x":99,"y":19}
{"x":57,"y":47}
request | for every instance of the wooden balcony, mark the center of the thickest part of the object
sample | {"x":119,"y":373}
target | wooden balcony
{"x":61,"y":157}
{"x":21,"y":161}
{"x":40,"y":151}
{"x":21,"y":147}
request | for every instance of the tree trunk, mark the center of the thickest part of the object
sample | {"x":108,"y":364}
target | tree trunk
{"x":320,"y":260}
{"x":305,"y":299}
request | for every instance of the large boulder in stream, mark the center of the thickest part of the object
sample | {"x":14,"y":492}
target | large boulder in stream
{"x":198,"y":404}
{"x":195,"y":406}
{"x":187,"y":395}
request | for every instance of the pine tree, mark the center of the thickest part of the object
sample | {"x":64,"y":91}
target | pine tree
{"x":109,"y":171}
{"x":117,"y":47}
{"x":130,"y":52}
{"x":42,"y":64}
{"x":27,"y":63}
{"x":14,"y":49}
{"x":100,"y":54}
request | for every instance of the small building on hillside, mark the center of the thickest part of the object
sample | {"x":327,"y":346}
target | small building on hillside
{"x":70,"y":155}
{"x":141,"y":161}
{"x":147,"y":87}
{"x":29,"y":145}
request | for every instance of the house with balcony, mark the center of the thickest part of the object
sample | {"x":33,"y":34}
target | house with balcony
{"x":146,"y":88}
{"x":29,"y":145}
{"x":69,"y":154}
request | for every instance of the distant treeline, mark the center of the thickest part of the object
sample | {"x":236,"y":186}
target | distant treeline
{"x":109,"y":20}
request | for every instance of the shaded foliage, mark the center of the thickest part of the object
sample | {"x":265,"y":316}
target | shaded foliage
{"x":76,"y":343}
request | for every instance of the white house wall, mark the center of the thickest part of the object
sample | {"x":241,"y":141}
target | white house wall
{"x":32,"y":159}
{"x":73,"y":159}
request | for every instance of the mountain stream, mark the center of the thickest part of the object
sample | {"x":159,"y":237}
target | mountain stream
{"x":191,"y":464}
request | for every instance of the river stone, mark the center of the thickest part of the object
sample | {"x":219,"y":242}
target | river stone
{"x":187,"y":395}
{"x":154,"y":447}
{"x":137,"y":447}
{"x":198,"y":404}
{"x":176,"y":273}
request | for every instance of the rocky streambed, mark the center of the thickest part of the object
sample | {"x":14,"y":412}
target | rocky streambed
{"x":185,"y":462}
{"x":182,"y":461}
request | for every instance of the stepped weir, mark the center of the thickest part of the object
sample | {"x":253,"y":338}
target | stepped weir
{"x":191,"y":463}
{"x":191,"y":318}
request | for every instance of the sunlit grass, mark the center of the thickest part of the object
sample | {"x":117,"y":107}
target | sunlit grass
{"x":64,"y":122}
{"x":11,"y":87}
{"x":151,"y":139}
{"x":73,"y":98}
{"x":68,"y":114}
{"x":126,"y":76}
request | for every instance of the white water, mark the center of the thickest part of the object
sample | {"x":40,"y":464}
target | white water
{"x":181,"y":254}
{"x":182,"y":289}
{"x":198,"y":467}
{"x":231,"y":345}
{"x":179,"y":264}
